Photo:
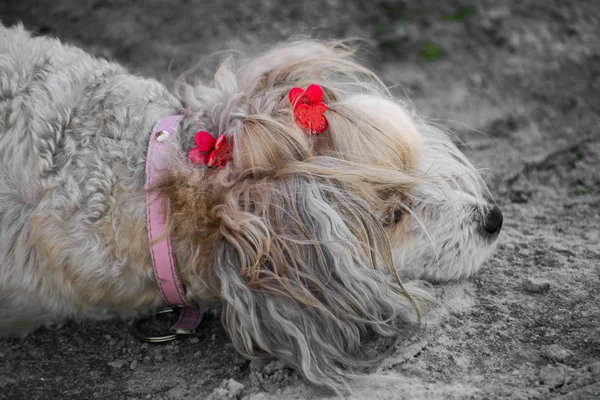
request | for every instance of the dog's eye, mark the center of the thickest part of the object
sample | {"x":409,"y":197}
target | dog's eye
{"x":398,"y":214}
{"x":394,"y":217}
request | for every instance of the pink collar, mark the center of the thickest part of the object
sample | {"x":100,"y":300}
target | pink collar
{"x":163,"y":135}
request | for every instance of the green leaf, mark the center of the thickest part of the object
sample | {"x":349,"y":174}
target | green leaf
{"x":461,"y":14}
{"x":581,"y":192}
{"x":401,"y":23}
{"x":380,"y":29}
{"x":431,"y":51}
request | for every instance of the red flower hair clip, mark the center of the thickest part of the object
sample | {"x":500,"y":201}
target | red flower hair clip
{"x":210,"y":151}
{"x":309,"y":109}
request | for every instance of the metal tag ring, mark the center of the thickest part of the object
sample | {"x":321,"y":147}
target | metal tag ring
{"x":153,"y":339}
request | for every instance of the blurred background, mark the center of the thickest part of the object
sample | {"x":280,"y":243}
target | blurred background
{"x":518,"y":83}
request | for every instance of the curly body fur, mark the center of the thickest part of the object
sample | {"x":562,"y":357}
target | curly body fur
{"x":300,"y":238}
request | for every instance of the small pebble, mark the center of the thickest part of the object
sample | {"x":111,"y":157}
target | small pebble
{"x":235,"y":388}
{"x":257,"y":365}
{"x":133,"y":364}
{"x":594,"y":368}
{"x":117,"y":364}
{"x":536,"y":285}
{"x":555,"y":353}
{"x":273,"y":367}
{"x":523,"y":252}
{"x":218,"y":393}
{"x":553,"y":377}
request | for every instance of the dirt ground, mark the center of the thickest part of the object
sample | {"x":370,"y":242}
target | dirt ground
{"x":519,"y":84}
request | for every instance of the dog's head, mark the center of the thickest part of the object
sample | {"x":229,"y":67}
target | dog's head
{"x":443,"y":225}
{"x":300,"y":237}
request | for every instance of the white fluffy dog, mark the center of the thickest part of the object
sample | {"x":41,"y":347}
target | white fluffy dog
{"x":299,"y":236}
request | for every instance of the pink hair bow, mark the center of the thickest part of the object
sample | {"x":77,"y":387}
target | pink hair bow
{"x":309,"y":109}
{"x":210,"y":151}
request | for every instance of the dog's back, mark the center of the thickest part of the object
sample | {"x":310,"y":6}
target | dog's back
{"x":70,"y":149}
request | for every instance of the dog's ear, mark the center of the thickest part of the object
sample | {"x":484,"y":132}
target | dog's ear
{"x":303,"y":269}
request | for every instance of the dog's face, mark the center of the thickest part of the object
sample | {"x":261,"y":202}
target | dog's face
{"x":448,"y":226}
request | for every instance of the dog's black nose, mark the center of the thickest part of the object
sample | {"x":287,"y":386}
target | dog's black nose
{"x":492,"y":223}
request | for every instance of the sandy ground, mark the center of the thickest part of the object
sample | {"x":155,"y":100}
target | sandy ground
{"x":517,"y":81}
